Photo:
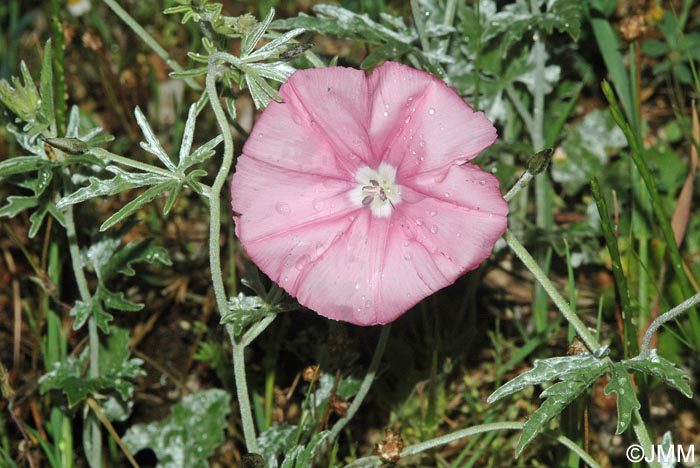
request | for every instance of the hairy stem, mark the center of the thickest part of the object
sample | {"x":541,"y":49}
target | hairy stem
{"x":95,"y":455}
{"x":522,"y":253}
{"x":471,"y":431}
{"x":660,"y":320}
{"x":215,"y":248}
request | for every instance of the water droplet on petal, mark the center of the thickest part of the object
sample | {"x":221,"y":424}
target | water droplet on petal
{"x":421,"y":143}
{"x":352,"y":156}
{"x":431,"y":111}
{"x":419,"y":221}
{"x":386,"y":114}
{"x":433,"y":213}
{"x":301,"y":262}
{"x":318,"y":204}
{"x":283,"y":208}
{"x":482,"y":182}
{"x":408,"y":256}
{"x":434,"y":229}
{"x":447,"y":194}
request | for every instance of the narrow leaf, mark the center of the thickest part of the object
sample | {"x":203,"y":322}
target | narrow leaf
{"x":17,"y":204}
{"x":80,"y":313}
{"x":261,"y":92}
{"x":188,"y":134}
{"x":663,"y":369}
{"x":22,"y":164}
{"x":123,"y":260}
{"x":559,"y":396}
{"x":278,"y":71}
{"x":117,"y":301}
{"x":134,"y":205}
{"x":547,"y":370}
{"x":202,"y":153}
{"x":46,"y":84}
{"x":172,"y":198}
{"x":152,"y":144}
{"x":250,"y":40}
{"x":122,"y":180}
{"x":621,"y":384}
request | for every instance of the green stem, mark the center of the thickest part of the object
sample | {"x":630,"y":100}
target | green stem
{"x":366,"y":383}
{"x":522,"y":182}
{"x":95,"y":455}
{"x":150,"y":42}
{"x":471,"y":431}
{"x":581,"y":329}
{"x":215,"y":249}
{"x":660,"y":320}
{"x":242,"y":393}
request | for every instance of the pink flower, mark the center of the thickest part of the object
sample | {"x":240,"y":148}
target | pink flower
{"x":356,"y":196}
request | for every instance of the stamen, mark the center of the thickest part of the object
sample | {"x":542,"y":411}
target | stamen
{"x":377,"y":190}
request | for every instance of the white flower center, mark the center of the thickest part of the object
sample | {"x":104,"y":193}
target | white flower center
{"x":377,"y":189}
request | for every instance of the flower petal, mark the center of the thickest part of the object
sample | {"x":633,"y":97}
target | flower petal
{"x":457,"y":238}
{"x":334,"y":103}
{"x":464,"y":185}
{"x":428,"y":125}
{"x":366,"y":277}
{"x":274,"y":202}
{"x":285,"y":137}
